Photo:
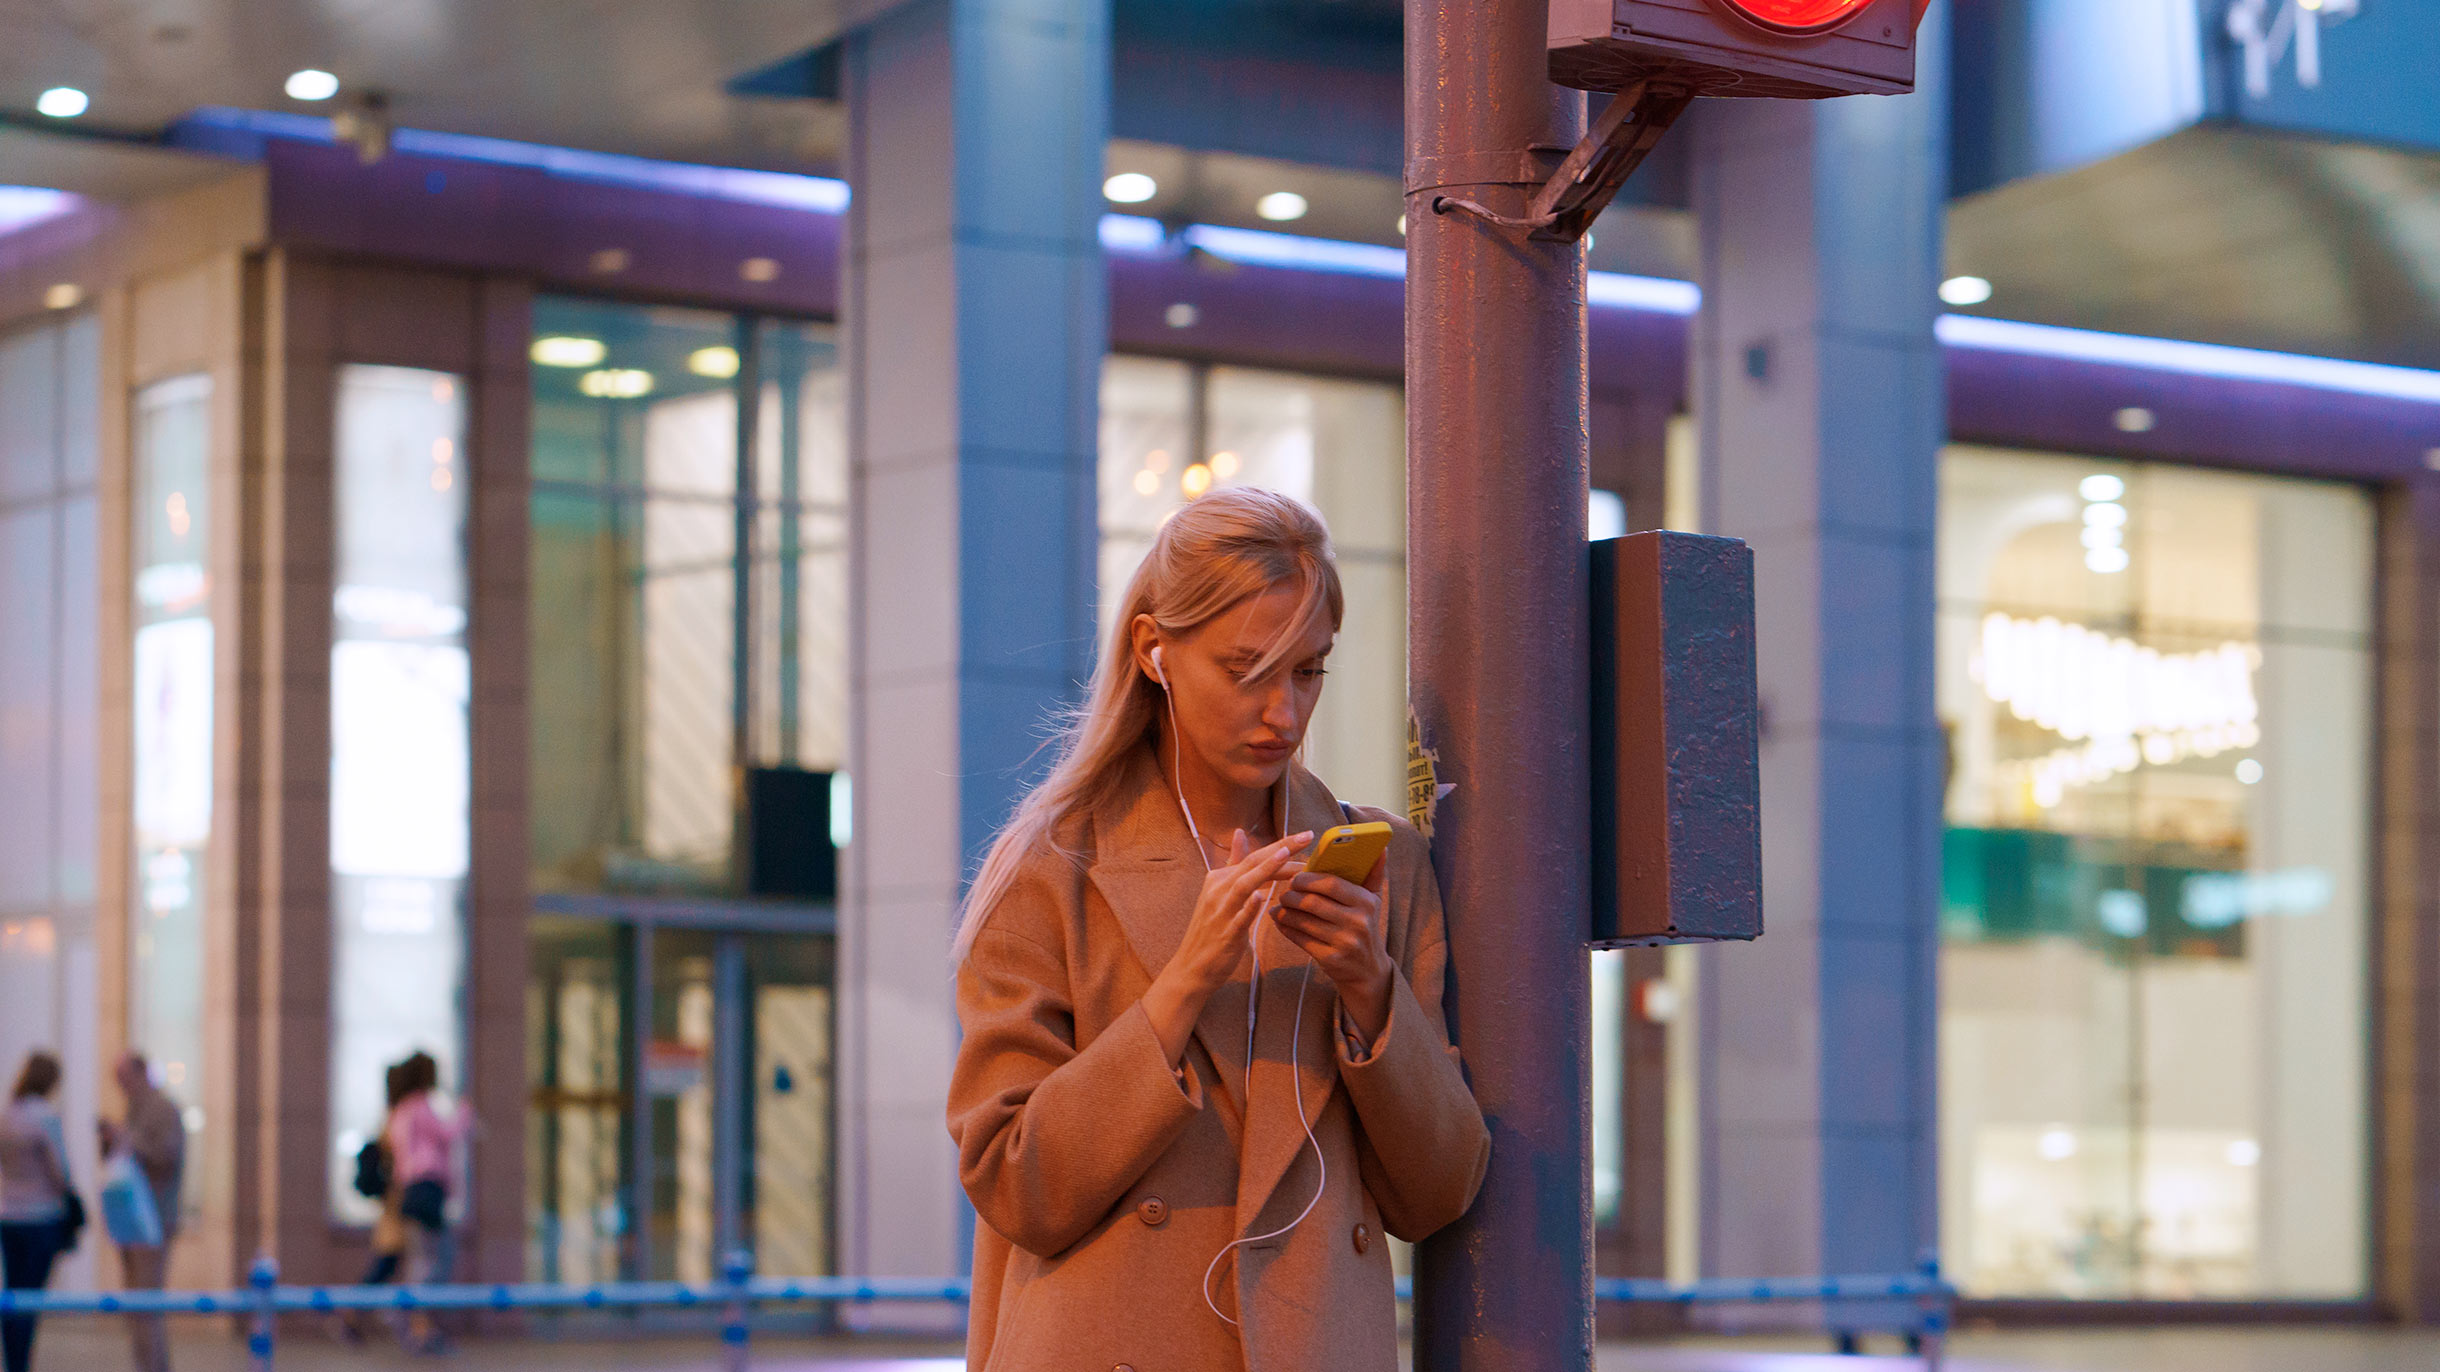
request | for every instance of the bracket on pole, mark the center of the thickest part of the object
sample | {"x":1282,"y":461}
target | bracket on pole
{"x":1588,"y":179}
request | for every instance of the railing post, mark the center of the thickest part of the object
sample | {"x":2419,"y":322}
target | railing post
{"x":737,"y":1269}
{"x":261,"y":1278}
{"x":1939,"y":1304}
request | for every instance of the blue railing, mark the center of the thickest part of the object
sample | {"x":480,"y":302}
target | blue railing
{"x":1917,"y":1305}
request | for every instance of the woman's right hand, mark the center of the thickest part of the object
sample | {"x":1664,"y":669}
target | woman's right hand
{"x":1215,"y":942}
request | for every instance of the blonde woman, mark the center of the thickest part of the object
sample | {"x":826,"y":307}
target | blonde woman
{"x":1199,"y":1087}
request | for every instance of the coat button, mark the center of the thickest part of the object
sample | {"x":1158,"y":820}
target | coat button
{"x":1363,"y":1237}
{"x":1152,"y":1210}
{"x":1123,"y":1367}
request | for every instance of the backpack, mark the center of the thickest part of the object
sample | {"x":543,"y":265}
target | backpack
{"x":372,"y":1171}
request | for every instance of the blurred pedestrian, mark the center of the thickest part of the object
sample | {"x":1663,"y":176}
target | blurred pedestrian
{"x":34,"y":1227}
{"x":424,"y":1146}
{"x":377,"y":1179}
{"x":153,"y":1135}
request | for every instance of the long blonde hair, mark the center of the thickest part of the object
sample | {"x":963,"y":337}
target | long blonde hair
{"x":1213,"y":553}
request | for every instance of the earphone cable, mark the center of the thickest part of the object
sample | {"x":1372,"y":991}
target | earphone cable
{"x":1253,"y":1004}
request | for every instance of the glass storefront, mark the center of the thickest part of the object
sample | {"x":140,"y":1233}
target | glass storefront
{"x":173,"y":726}
{"x":1173,"y":430}
{"x":400,"y":768}
{"x":49,"y":660}
{"x":2155,"y":684}
{"x":657,"y":1140}
{"x":685,"y":464}
{"x":637,"y":521}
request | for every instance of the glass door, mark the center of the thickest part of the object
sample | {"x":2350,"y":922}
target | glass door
{"x":787,"y":1200}
{"x":578,"y":1138}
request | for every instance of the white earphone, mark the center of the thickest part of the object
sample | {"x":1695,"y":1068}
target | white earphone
{"x":1253,"y":1006}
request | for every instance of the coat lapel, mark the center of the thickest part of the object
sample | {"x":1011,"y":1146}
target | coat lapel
{"x":1148,"y":871}
{"x":1150,"y":878}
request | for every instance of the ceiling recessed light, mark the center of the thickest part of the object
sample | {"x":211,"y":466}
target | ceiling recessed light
{"x":759,"y":269}
{"x":1964,"y":290}
{"x":2106,"y":560}
{"x":718,"y":362}
{"x":1181,"y":315}
{"x":61,"y":102}
{"x":1281,"y":206}
{"x":562,"y":350}
{"x":616,"y":383}
{"x":610,"y":261}
{"x":312,"y":84}
{"x":65,"y":295}
{"x":1130,"y":188}
{"x":2101,"y":486}
{"x":2134,"y":419}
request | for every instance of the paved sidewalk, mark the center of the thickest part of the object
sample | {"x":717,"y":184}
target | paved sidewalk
{"x":99,"y":1345}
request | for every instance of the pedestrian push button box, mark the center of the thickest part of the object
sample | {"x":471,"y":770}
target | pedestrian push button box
{"x":1677,"y":785}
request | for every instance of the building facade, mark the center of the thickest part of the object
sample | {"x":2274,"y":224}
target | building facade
{"x":430,"y":584}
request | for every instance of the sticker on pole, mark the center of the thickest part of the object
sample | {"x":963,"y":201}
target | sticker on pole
{"x":1423,"y":788}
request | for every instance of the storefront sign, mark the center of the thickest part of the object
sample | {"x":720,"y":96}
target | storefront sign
{"x":672,"y":1067}
{"x":2265,"y":30}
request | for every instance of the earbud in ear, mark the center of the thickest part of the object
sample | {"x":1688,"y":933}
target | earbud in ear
{"x":1157,"y":673}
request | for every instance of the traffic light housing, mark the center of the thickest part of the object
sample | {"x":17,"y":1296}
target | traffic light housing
{"x":1784,"y":49}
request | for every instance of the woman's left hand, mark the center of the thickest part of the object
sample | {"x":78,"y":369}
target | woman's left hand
{"x":1344,"y":928}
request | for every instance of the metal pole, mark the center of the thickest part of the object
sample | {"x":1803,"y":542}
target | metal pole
{"x":1496,"y":484}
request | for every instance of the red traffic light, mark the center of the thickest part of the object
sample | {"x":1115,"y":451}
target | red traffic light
{"x":1797,"y":16}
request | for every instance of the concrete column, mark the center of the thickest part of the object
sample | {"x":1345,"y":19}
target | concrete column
{"x":1818,"y":387}
{"x":976,"y":318}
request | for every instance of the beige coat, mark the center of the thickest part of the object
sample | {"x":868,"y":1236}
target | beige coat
{"x":1106,"y":1184}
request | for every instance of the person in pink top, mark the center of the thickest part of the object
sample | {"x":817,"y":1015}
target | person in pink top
{"x":423,"y":1150}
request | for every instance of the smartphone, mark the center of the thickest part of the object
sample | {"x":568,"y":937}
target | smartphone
{"x":1349,"y":851}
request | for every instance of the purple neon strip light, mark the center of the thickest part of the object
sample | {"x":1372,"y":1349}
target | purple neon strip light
{"x":24,"y":206}
{"x":2188,"y":359}
{"x":820,"y":194}
{"x":1261,"y":248}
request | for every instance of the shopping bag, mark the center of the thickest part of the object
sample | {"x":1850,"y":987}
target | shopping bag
{"x":128,"y":1210}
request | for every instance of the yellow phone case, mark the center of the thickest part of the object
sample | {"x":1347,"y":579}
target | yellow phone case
{"x":1349,"y":851}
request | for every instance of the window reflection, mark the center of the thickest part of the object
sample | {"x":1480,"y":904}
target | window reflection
{"x":399,"y":777}
{"x":2155,"y":685}
{"x":173,"y":728}
{"x":637,"y":515}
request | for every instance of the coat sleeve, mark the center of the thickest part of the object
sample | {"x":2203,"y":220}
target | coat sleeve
{"x":1050,"y":1136}
{"x":1422,"y":1147}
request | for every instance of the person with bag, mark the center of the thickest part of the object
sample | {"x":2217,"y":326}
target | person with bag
{"x":423,"y":1149}
{"x":36,"y":1223}
{"x":377,"y":1179}
{"x":140,"y":1196}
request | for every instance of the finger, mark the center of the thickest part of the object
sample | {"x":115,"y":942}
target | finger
{"x":1266,"y":865}
{"x":1303,"y":935}
{"x":1322,"y":907}
{"x":1237,"y":846}
{"x":1377,"y":880}
{"x":1335,"y":929}
{"x":1329,"y":887}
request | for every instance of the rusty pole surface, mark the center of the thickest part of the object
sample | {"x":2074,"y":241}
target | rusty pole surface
{"x":1496,"y":604}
